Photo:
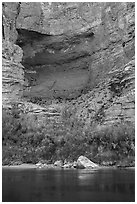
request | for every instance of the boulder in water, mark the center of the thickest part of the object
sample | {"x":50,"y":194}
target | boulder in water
{"x":58,"y":163}
{"x":84,"y":162}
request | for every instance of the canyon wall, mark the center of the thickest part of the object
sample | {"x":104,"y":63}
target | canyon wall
{"x":78,"y":52}
{"x":12,"y":69}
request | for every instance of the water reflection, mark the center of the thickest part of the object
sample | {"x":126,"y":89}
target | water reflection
{"x":68,"y":186}
{"x":108,"y":181}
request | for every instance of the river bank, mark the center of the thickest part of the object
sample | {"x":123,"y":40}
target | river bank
{"x":33,"y":166}
{"x":26,"y":141}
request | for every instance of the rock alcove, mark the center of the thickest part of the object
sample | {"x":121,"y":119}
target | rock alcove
{"x":74,"y":50}
{"x":56,"y":66}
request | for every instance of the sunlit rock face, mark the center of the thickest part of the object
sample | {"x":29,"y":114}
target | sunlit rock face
{"x":70,"y":47}
{"x":112,"y":100}
{"x":77,"y":50}
{"x":57,"y":40}
{"x":12,"y":74}
{"x":12,"y":69}
{"x":58,"y":49}
{"x":59,"y":18}
{"x":10,"y":11}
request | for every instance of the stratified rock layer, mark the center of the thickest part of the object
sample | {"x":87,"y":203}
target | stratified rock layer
{"x":70,"y":47}
{"x":12,"y":74}
{"x":76,"y":50}
{"x":113,"y":100}
{"x":12,"y":69}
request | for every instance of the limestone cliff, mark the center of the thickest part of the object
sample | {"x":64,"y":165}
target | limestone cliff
{"x":79,"y":52}
{"x":12,"y":69}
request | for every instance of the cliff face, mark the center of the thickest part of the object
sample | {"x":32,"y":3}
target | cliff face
{"x":12,"y":69}
{"x":81,"y":52}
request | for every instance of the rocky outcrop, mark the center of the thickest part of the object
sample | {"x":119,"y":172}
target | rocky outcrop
{"x":12,"y":69}
{"x":81,"y":163}
{"x":12,"y":74}
{"x":58,"y":163}
{"x":10,"y":11}
{"x":64,"y":61}
{"x":111,"y":101}
{"x":68,"y":50}
{"x":84,"y":162}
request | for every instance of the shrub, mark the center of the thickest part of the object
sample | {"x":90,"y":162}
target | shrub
{"x":26,"y":139}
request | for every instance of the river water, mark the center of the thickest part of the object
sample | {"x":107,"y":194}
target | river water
{"x":33,"y":185}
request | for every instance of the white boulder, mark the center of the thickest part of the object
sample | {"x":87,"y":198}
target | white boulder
{"x":84,"y":162}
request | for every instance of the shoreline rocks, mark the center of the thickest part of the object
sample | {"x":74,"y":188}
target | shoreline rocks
{"x":81,"y":163}
{"x":84,"y":162}
{"x":58,"y":163}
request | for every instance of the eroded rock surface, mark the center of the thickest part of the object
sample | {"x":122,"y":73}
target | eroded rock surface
{"x":12,"y":74}
{"x":82,"y":51}
{"x":70,"y":47}
{"x":84,"y":162}
{"x":113,"y":100}
{"x":12,"y":69}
